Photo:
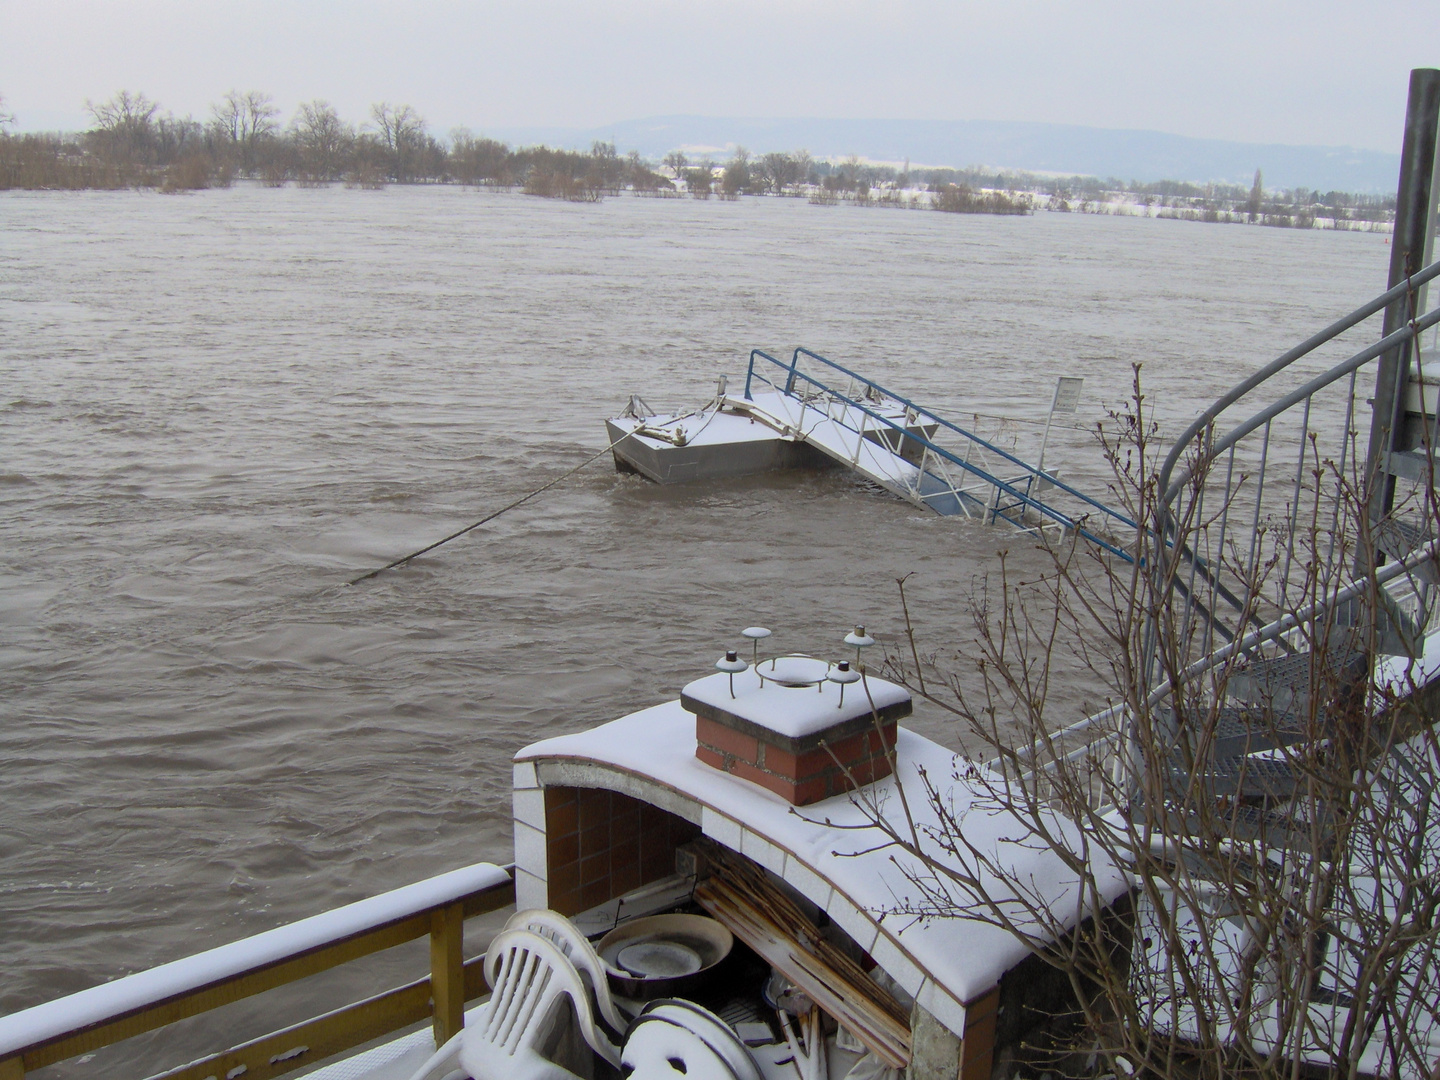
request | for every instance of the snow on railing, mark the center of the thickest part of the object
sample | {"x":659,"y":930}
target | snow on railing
{"x":127,"y":1006}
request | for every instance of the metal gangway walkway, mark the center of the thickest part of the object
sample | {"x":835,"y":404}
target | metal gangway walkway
{"x":916,"y":454}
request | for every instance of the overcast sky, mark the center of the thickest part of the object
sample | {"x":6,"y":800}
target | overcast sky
{"x":1311,"y":72}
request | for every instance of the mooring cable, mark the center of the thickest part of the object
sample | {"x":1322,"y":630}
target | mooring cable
{"x":276,"y":605}
{"x":491,"y":517}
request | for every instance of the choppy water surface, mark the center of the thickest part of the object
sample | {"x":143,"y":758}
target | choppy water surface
{"x":216,"y":408}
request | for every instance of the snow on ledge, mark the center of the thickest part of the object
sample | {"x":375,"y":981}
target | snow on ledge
{"x":833,"y":853}
{"x":1400,"y":676}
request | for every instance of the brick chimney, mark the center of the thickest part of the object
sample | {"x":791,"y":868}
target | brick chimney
{"x":784,"y":725}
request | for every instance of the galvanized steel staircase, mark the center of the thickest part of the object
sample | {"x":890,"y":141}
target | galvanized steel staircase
{"x":917,"y":454}
{"x":1283,"y":567}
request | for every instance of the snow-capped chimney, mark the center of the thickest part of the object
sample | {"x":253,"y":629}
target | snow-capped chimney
{"x":796,"y":725}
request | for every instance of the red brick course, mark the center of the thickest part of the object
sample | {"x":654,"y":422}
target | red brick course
{"x":726,"y":740}
{"x":714,"y":758}
{"x":800,"y":778}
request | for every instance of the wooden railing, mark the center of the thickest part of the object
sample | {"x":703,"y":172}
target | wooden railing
{"x":106,"y":1014}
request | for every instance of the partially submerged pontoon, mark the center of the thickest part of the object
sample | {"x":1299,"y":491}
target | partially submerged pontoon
{"x":814,"y":413}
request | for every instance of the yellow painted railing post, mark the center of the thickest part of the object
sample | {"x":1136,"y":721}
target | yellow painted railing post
{"x":447,"y":970}
{"x":442,"y":995}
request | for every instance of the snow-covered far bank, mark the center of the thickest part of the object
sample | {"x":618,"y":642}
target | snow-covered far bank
{"x":1297,"y":210}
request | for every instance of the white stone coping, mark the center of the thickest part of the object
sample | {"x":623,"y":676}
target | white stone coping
{"x":828,"y":851}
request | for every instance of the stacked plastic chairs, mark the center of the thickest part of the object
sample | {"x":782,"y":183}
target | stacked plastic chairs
{"x":578,"y":950}
{"x":528,"y":975}
{"x":539,"y":959}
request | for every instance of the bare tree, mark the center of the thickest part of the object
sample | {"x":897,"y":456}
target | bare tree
{"x":323,"y":140}
{"x":402,"y":133}
{"x":1284,"y":911}
{"x":1257,"y":197}
{"x":479,"y":160}
{"x":676,"y":162}
{"x":7,"y":118}
{"x":643,"y":179}
{"x":125,"y":124}
{"x":777,"y":171}
{"x":242,"y":122}
{"x":606,"y":168}
{"x":736,"y":178}
{"x":130,"y":139}
{"x":804,"y":166}
{"x":701,"y":179}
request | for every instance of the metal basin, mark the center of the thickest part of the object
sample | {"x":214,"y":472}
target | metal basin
{"x":663,"y":955}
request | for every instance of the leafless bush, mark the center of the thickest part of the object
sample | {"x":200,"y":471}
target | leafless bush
{"x":366,"y":176}
{"x":1280,"y":918}
{"x":556,"y":184}
{"x":960,"y":199}
{"x":189,"y":174}
{"x":700,"y":180}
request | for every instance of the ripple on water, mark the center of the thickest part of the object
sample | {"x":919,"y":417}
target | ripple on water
{"x":206,"y":733}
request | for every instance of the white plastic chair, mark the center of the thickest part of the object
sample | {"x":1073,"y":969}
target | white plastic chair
{"x":672,"y":1038}
{"x":528,"y":975}
{"x":578,"y":950}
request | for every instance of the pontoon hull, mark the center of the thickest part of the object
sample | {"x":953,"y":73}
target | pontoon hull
{"x":666,"y":464}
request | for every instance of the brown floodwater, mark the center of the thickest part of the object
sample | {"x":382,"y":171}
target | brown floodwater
{"x":216,"y":408}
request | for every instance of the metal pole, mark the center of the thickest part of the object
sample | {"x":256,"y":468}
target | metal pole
{"x":1413,"y":208}
{"x":1066,"y":400}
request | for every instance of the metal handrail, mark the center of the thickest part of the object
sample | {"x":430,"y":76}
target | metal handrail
{"x":1023,"y":497}
{"x":1284,"y":360}
{"x":1256,"y":540}
{"x":1172,"y":486}
{"x":1272,"y":631}
{"x":976,"y":439}
{"x":751,"y":371}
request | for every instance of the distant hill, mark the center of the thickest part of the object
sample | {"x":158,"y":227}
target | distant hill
{"x":1053,"y":148}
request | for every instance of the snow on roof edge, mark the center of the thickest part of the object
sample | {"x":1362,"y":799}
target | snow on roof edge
{"x":965,"y":956}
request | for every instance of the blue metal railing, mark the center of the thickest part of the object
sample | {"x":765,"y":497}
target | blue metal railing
{"x":1020,"y":493}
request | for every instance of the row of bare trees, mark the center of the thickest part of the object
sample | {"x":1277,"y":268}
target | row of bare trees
{"x":133,"y":143}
